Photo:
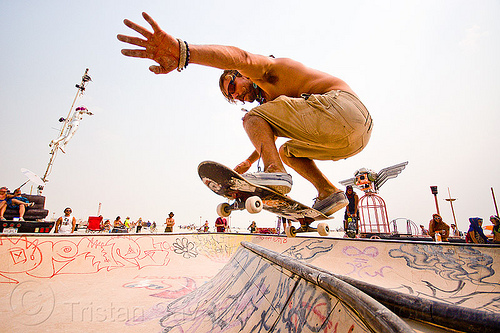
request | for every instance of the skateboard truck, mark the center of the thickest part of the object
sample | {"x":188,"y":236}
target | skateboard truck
{"x":253,"y":205}
{"x":305,"y":226}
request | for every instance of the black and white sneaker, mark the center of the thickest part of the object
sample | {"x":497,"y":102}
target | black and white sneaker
{"x":279,"y":181}
{"x":332,"y":203}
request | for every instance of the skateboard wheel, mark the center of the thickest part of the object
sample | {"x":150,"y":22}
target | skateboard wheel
{"x":291,"y":231}
{"x":223,"y":210}
{"x":323,"y":229}
{"x":253,"y":205}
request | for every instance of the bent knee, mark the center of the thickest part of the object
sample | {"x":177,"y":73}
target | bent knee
{"x":249,"y":119}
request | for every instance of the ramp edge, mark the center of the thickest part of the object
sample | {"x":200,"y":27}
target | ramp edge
{"x":430,"y":311}
{"x":377,"y":316}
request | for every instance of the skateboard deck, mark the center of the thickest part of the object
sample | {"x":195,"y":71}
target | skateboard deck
{"x":352,"y":227}
{"x":245,"y":195}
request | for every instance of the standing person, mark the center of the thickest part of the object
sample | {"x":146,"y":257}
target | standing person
{"x":139,"y":225}
{"x":285,"y":222}
{"x":475,"y":233}
{"x":496,"y":228}
{"x":66,"y":223}
{"x":170,"y":222}
{"x":436,"y":225}
{"x":220,"y":224}
{"x":351,"y":210}
{"x":319,"y":113}
{"x":126,"y":223}
{"x":206,"y":227}
{"x":252,"y":227}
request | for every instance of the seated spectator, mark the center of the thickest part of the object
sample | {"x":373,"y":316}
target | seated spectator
{"x":436,"y":225}
{"x":475,"y":233}
{"x":16,"y":201}
{"x":118,"y":226}
{"x":455,"y":231}
{"x":106,"y":226}
{"x":496,"y":229}
{"x":3,"y":201}
{"x":424,"y":231}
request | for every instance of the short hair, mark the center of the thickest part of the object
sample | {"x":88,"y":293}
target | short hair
{"x":228,"y":72}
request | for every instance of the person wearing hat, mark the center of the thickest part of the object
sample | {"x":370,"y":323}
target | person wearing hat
{"x":66,"y":223}
{"x":436,"y":225}
{"x":475,"y":233}
{"x":170,"y":222}
{"x":351,"y":210}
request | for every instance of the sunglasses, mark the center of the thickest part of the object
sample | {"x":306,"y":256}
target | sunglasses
{"x":231,"y":87}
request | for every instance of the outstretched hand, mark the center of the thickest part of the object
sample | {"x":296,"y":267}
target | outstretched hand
{"x":157,"y":45}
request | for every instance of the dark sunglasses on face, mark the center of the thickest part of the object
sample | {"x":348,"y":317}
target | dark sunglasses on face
{"x":231,"y":87}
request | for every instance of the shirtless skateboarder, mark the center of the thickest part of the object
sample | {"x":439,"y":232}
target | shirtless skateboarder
{"x":320,"y":113}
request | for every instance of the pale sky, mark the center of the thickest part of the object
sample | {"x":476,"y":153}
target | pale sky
{"x":428,"y":72}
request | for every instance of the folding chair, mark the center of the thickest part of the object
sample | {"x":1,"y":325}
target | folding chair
{"x":94,"y":224}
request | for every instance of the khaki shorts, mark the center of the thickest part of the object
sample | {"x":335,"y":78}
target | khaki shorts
{"x":331,"y":126}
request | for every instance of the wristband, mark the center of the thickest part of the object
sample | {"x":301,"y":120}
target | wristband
{"x":182,"y":55}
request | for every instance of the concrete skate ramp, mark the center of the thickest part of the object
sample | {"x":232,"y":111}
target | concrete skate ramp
{"x":450,"y":285}
{"x":262,"y":291}
{"x":173,"y":283}
{"x":131,"y":283}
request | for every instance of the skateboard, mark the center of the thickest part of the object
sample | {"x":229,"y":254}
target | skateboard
{"x":245,"y":195}
{"x":352,"y":227}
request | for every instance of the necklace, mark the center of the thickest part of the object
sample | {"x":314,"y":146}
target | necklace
{"x":259,"y":97}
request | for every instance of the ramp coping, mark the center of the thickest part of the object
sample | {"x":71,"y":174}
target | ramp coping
{"x":430,"y":311}
{"x":375,"y":314}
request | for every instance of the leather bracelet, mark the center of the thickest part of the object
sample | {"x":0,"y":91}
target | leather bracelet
{"x":182,"y":55}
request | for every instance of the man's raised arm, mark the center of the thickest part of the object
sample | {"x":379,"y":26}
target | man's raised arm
{"x":168,"y":52}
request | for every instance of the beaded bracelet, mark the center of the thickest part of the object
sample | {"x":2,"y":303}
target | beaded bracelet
{"x":188,"y":55}
{"x":182,"y":55}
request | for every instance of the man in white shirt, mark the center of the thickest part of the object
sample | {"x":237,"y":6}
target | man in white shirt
{"x":66,"y":224}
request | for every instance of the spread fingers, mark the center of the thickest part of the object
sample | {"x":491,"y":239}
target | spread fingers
{"x":137,"y":53}
{"x":143,"y":31}
{"x":149,"y":19}
{"x":132,"y":40}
